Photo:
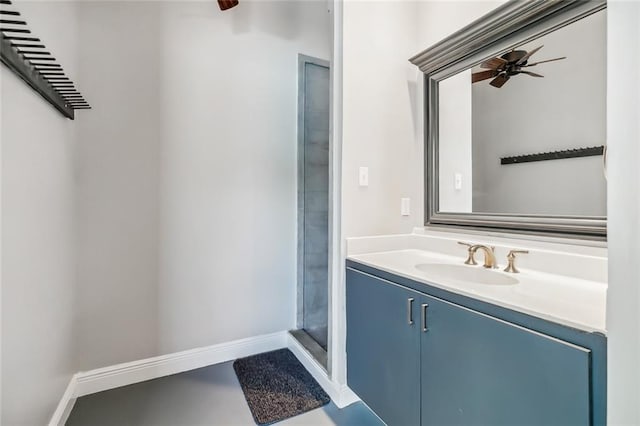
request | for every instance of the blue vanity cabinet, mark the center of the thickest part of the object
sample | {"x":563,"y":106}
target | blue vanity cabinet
{"x":383,"y":348}
{"x":479,"y":370}
{"x":475,"y":364}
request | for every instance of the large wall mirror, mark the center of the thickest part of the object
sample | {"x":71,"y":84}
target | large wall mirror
{"x":515,"y":122}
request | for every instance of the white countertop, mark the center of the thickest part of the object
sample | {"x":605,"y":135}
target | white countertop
{"x":571,"y":299}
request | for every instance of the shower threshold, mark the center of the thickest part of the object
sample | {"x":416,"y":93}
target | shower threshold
{"x":316,"y":351}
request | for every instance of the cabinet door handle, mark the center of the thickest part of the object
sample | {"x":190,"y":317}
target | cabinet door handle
{"x":410,"y":311}
{"x":424,"y":317}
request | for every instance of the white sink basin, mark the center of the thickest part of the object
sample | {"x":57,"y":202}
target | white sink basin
{"x":465,"y":273}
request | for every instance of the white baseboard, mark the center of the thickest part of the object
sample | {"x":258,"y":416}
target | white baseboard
{"x":65,"y":405}
{"x":151,"y":368}
{"x":347,"y":397}
{"x":115,"y":376}
{"x":341,"y":395}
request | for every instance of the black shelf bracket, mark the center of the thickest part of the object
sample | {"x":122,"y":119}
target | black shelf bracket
{"x":554,"y":155}
{"x":28,"y":68}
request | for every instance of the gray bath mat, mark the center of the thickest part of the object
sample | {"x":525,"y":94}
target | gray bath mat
{"x":276,"y":386}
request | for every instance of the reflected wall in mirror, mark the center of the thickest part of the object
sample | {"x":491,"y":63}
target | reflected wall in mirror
{"x":515,"y":121}
{"x":507,"y":112}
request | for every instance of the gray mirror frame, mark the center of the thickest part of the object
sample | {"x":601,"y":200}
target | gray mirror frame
{"x":510,"y":25}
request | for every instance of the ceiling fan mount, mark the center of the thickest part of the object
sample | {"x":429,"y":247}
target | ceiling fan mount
{"x":227,"y":4}
{"x":502,"y":68}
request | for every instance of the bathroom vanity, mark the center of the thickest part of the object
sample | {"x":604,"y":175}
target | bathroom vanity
{"x":433,"y":341}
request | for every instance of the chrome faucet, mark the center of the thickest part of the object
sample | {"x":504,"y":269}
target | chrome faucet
{"x":489,"y":255}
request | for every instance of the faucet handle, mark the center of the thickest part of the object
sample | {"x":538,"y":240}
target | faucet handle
{"x":511,"y":259}
{"x":470,"y":260}
{"x":514,"y":252}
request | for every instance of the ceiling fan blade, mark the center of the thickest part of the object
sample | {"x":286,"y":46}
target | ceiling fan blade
{"x":227,"y":4}
{"x":542,"y":62}
{"x":499,"y":81}
{"x":528,"y":55}
{"x":532,"y":74}
{"x":483,"y":75}
{"x":493,"y":63}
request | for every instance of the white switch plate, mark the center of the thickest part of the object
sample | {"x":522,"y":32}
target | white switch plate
{"x":363,"y":176}
{"x":405,"y":206}
{"x":457,"y":181}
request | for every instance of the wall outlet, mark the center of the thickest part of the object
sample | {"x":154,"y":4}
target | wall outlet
{"x":363,"y":176}
{"x":405,"y":206}
{"x":457,"y":181}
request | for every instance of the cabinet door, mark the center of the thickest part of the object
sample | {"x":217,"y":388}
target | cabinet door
{"x":383,"y":348}
{"x":479,"y":370}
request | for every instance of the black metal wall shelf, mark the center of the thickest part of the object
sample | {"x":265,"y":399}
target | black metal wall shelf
{"x":554,"y":155}
{"x":27,"y":57}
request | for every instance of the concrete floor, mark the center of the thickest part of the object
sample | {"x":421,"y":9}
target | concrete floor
{"x":207,"y":396}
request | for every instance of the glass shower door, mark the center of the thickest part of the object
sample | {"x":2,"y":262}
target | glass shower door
{"x":314,"y":199}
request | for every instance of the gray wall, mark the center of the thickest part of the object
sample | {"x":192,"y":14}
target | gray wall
{"x":380,"y":117}
{"x":454,"y":143}
{"x":38,"y":232}
{"x":565,"y":109}
{"x":119,"y":183}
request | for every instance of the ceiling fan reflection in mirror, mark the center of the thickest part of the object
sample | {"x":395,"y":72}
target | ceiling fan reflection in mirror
{"x":502,"y":68}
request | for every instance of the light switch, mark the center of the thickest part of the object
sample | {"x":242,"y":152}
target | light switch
{"x":405,"y":206}
{"x":363,"y":176}
{"x":457,"y":181}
